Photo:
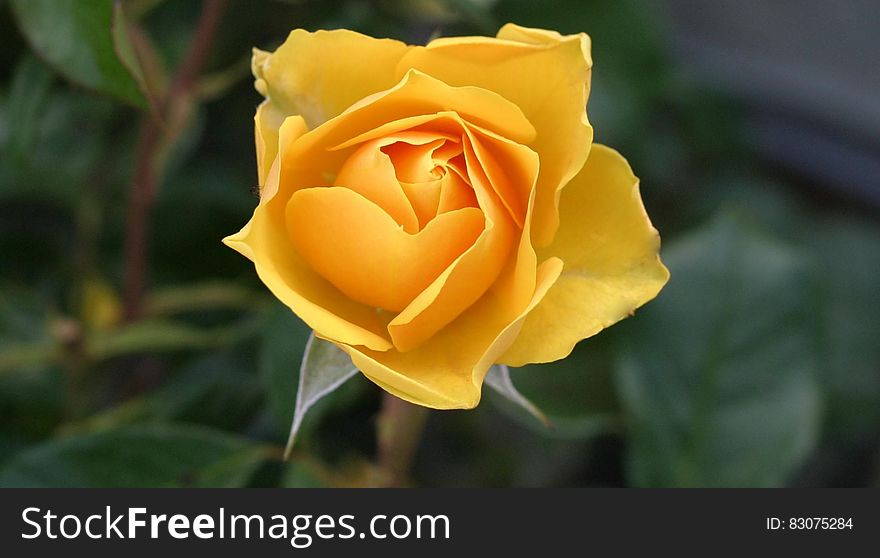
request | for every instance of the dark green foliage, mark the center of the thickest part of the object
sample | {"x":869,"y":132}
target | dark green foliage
{"x":758,"y":365}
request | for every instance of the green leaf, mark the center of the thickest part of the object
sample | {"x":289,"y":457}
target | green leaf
{"x":125,"y":52}
{"x":576,"y":393}
{"x":31,"y":403}
{"x":206,"y":295}
{"x":28,"y":96}
{"x":302,"y":473}
{"x":849,"y":252}
{"x":22,"y":357}
{"x":324,"y":368}
{"x":24,"y":317}
{"x":233,"y":471}
{"x":75,"y":37}
{"x":157,"y":455}
{"x":498,"y":379}
{"x":160,"y":335}
{"x":281,"y":354}
{"x":718,"y":374}
{"x":31,"y":384}
{"x":217,"y":390}
{"x":281,"y":350}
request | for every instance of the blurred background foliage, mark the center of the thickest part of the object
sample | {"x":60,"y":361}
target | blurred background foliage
{"x":758,"y":365}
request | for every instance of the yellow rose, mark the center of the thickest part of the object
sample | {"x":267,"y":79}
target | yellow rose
{"x":436,"y":210}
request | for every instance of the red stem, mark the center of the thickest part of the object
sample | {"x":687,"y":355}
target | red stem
{"x":158,"y":131}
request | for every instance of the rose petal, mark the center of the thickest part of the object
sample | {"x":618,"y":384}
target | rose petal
{"x":420,"y":99}
{"x":264,"y":241}
{"x":510,"y":168}
{"x":447,"y":371}
{"x":611,"y":260}
{"x":369,"y":172}
{"x":469,"y":276}
{"x":425,"y":199}
{"x":455,"y":193}
{"x":544,"y":74}
{"x":413,"y":162}
{"x":418,"y":95}
{"x":318,"y":75}
{"x":355,"y":245}
{"x":267,"y":122}
{"x":417,"y":100}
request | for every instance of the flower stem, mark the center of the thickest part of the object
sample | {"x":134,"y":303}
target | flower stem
{"x":158,"y":132}
{"x":140,"y":202}
{"x":398,"y":431}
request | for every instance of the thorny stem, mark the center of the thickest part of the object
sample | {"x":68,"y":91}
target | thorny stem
{"x":158,"y":131}
{"x":398,"y":430}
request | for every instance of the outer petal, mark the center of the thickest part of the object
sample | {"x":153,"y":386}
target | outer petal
{"x":318,"y":75}
{"x":611,"y":257}
{"x":263,"y":240}
{"x":547,"y":76}
{"x":267,"y":122}
{"x":447,"y":371}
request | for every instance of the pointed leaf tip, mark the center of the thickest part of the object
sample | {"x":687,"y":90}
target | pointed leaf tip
{"x":324,"y":368}
{"x":498,"y":378}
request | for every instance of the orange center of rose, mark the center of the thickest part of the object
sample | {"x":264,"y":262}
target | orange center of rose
{"x":400,"y":210}
{"x":415,"y":217}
